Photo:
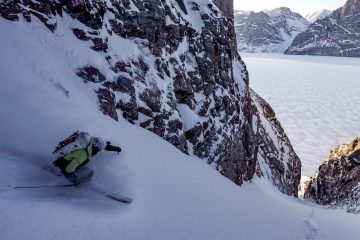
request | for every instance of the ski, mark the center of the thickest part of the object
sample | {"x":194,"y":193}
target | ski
{"x":44,"y":186}
{"x":122,"y":199}
{"x":112,"y":196}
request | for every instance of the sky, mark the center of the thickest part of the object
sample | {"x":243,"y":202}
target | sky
{"x":301,"y":6}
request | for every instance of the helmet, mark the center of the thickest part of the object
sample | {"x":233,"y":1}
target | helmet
{"x":99,"y":143}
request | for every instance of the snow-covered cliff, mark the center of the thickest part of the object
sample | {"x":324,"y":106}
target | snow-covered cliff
{"x":277,"y":160}
{"x":170,"y":67}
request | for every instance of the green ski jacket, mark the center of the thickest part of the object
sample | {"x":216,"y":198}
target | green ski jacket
{"x":78,"y":156}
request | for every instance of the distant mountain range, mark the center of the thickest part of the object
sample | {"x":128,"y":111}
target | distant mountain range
{"x":269,"y":30}
{"x":336,"y":35}
{"x":280,"y":30}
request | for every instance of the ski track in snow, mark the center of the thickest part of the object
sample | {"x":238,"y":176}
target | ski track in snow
{"x":315,"y":99}
{"x":312,"y":227}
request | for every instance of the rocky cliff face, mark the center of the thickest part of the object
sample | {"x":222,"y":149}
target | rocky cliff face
{"x":277,"y":160}
{"x":335,"y":35}
{"x":168,"y":66}
{"x":226,"y":7}
{"x":269,"y":30}
{"x":337,"y":182}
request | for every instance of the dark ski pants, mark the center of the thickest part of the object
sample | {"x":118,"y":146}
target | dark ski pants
{"x":80,"y":176}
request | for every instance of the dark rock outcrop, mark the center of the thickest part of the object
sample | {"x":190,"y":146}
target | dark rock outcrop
{"x":91,"y":74}
{"x":335,"y":35}
{"x":226,"y":7}
{"x":170,"y":67}
{"x":337,"y":182}
{"x":277,"y":160}
{"x":269,"y":30}
{"x":107,"y":102}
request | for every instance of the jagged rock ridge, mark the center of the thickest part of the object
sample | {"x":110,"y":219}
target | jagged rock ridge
{"x":336,"y":35}
{"x":182,"y":79}
{"x":337,"y":182}
{"x":268,"y":30}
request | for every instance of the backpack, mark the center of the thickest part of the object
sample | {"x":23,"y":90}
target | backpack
{"x":77,"y":140}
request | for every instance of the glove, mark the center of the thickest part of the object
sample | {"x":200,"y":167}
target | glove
{"x":60,"y":163}
{"x":110,"y":147}
{"x":118,"y":149}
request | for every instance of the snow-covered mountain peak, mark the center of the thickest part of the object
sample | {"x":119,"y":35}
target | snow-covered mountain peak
{"x":313,"y":17}
{"x":271,"y":30}
{"x":281,"y":11}
{"x":335,"y":35}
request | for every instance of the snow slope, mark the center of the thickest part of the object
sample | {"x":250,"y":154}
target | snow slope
{"x":175,"y":196}
{"x":315,"y":99}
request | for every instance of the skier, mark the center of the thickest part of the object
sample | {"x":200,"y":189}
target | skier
{"x":72,"y":163}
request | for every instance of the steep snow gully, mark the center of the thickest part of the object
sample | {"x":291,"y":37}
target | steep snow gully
{"x":176,"y":196}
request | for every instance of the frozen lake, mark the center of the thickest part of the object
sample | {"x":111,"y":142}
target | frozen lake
{"x":316,"y":99}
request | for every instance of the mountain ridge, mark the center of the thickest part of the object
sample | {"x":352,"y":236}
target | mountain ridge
{"x":336,"y":35}
{"x":270,"y":30}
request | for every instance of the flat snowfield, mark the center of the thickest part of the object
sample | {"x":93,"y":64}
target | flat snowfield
{"x":316,"y":99}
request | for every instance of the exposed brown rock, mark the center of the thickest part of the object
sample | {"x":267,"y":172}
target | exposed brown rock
{"x":337,"y":182}
{"x":275,"y":154}
{"x":107,"y":103}
{"x":100,"y":44}
{"x":80,"y":34}
{"x":91,"y":74}
{"x":227,"y":7}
